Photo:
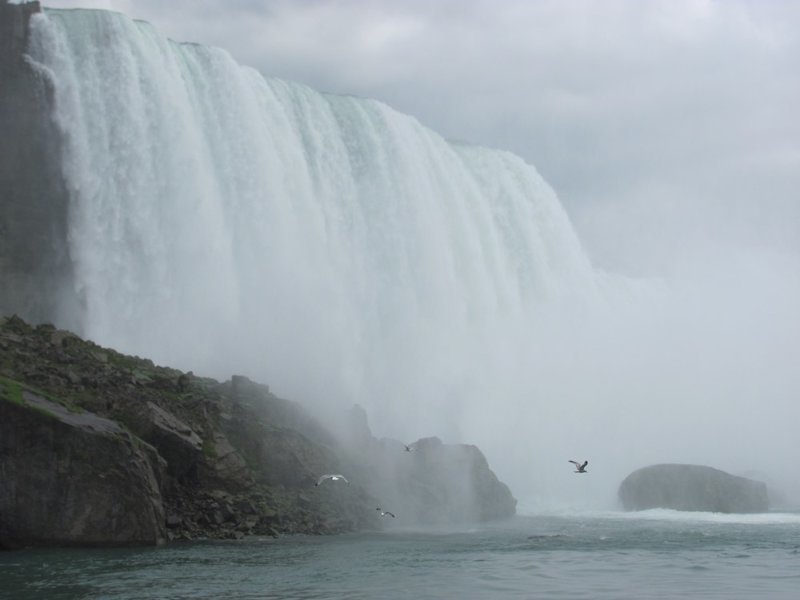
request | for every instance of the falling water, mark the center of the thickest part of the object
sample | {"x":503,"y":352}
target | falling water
{"x":227,"y":222}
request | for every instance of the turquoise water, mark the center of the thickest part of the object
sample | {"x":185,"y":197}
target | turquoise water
{"x":656,"y":554}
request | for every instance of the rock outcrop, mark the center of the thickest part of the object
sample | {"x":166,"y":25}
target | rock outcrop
{"x":71,"y":477}
{"x":100,"y":448}
{"x":692,"y":488}
{"x":35,"y":265}
{"x":429,"y":482}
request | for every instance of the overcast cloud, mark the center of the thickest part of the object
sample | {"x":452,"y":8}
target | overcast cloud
{"x":664,"y":126}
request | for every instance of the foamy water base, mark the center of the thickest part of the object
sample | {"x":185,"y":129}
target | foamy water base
{"x":657,"y":554}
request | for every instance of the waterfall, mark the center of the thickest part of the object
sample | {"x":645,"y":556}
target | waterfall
{"x":339,"y":251}
{"x":223,"y":220}
{"x":226,"y":222}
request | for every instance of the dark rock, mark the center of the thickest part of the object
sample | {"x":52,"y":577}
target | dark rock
{"x":35,"y":266}
{"x":174,"y":521}
{"x":692,"y":488}
{"x":72,"y":477}
{"x":246,"y":507}
{"x":451,"y":483}
{"x":226,"y":456}
{"x":435,"y":483}
{"x":176,"y":441}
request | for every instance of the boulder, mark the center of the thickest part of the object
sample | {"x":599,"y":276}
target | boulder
{"x":71,"y":477}
{"x":693,"y":488}
{"x":432,"y":482}
{"x":180,"y":446}
{"x":453,"y":483}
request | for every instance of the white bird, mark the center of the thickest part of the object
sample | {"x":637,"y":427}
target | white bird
{"x":581,"y":468}
{"x":336,"y":477}
{"x":385,"y":512}
{"x":410,"y":447}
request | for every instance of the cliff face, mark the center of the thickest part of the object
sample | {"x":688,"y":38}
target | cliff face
{"x":201,"y":433}
{"x":34,"y":260}
{"x":101,"y":448}
{"x":427,"y":481}
{"x":73,"y":477}
{"x":692,"y":487}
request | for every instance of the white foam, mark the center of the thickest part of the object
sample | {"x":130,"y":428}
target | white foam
{"x":664,"y":514}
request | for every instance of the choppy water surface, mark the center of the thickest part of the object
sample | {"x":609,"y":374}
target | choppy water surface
{"x":648,"y":555}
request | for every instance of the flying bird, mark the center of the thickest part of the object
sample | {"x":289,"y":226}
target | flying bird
{"x":410,"y":447}
{"x":581,"y":468}
{"x":336,"y":477}
{"x":385,"y":513}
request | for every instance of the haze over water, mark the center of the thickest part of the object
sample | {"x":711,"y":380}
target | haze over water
{"x":223,"y":222}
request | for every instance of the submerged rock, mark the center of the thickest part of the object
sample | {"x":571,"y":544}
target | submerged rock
{"x":692,"y":488}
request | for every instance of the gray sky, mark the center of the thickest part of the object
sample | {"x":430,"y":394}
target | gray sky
{"x":664,"y":126}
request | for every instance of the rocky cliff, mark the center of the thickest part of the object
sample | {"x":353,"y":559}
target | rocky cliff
{"x":71,"y":476}
{"x":692,"y":487}
{"x":100,"y":448}
{"x":34,"y":257}
{"x":428,"y":481}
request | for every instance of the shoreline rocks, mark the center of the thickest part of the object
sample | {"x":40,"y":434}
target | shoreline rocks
{"x":101,"y":448}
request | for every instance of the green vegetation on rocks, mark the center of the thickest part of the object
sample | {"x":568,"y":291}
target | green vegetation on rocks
{"x":194,"y":457}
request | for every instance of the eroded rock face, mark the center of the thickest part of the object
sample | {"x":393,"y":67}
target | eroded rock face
{"x":70,"y":477}
{"x":81,"y":423}
{"x":236,"y":460}
{"x":427,"y":481}
{"x":35,"y":266}
{"x":453,"y":483}
{"x":693,"y":488}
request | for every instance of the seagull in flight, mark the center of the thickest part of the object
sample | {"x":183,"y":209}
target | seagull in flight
{"x":335,"y":477}
{"x":581,"y":468}
{"x":410,"y":447}
{"x":385,"y":513}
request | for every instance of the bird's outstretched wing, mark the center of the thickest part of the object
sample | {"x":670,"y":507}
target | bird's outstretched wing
{"x":575,"y":462}
{"x":583,"y":466}
{"x":331,"y":476}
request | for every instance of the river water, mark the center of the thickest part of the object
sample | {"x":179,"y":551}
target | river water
{"x":653,"y":554}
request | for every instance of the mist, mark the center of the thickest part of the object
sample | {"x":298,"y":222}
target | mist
{"x":696,"y":370}
{"x":343,"y":253}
